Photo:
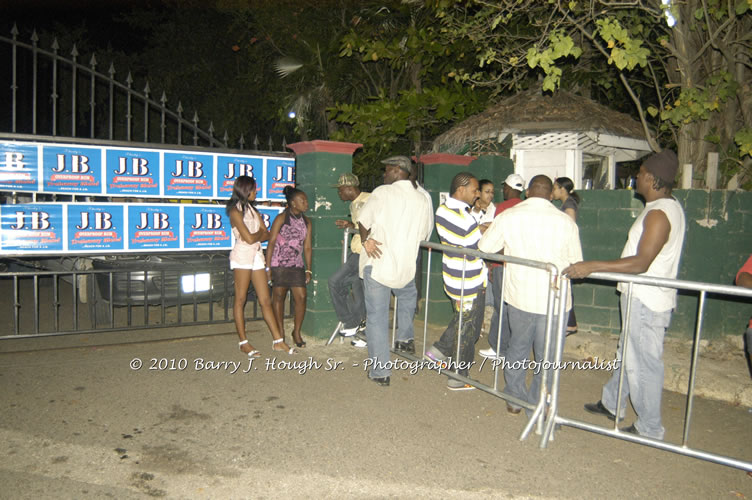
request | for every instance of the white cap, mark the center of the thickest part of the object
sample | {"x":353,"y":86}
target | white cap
{"x":515,"y":181}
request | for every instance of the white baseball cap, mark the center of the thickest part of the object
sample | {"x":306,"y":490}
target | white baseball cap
{"x":515,"y":181}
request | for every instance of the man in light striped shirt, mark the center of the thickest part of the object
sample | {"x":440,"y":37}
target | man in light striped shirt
{"x":464,"y":278}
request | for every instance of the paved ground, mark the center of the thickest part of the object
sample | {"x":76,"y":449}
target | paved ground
{"x":79,"y":422}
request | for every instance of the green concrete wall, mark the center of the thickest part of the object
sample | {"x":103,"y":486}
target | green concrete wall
{"x":717,"y":242}
{"x":316,"y":173}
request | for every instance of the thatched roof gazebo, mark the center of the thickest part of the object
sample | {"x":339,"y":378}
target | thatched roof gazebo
{"x":558,"y":135}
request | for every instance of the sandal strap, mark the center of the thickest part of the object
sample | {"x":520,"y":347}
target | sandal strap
{"x":278,"y":341}
{"x":243,"y":342}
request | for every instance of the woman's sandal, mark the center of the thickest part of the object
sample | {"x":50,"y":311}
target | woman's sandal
{"x":252,"y":354}
{"x":274,"y":348}
{"x":300,"y":344}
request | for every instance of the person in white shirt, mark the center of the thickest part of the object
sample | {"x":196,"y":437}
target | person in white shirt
{"x":393,"y":222}
{"x":653,"y":248}
{"x":536,"y":230}
{"x":484,"y":209}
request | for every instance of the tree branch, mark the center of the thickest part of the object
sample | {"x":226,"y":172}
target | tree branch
{"x":648,"y":135}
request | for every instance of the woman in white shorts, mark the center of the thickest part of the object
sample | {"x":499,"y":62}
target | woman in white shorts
{"x":248,"y":264}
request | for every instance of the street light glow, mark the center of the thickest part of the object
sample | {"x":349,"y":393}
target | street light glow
{"x":667,"y":12}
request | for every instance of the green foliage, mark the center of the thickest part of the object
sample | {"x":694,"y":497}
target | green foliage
{"x":694,"y":104}
{"x":386,"y":126}
{"x":560,"y":46}
{"x":743,"y":139}
{"x":626,"y":51}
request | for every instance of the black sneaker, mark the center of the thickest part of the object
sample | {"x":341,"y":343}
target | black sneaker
{"x":362,"y":326}
{"x":382,"y":381}
{"x":599,"y":409}
{"x":408,"y":346}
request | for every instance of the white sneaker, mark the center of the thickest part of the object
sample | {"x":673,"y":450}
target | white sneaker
{"x":488,"y":353}
{"x":348,"y":332}
{"x":359,"y":343}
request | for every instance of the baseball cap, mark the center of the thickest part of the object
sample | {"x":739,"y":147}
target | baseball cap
{"x":515,"y":181}
{"x":403,"y":162}
{"x":347,"y":180}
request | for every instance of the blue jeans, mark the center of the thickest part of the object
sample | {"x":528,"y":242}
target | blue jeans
{"x":472,"y":322}
{"x":643,"y":383}
{"x":497,"y":275}
{"x":528,"y":330}
{"x":350,"y":308}
{"x":377,"y":329}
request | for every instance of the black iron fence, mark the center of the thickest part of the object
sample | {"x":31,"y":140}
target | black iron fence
{"x":45,"y":92}
{"x":117,"y":295}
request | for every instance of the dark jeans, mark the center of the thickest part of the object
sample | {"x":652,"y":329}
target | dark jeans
{"x":350,"y":308}
{"x":472,"y":321}
{"x":497,"y":275}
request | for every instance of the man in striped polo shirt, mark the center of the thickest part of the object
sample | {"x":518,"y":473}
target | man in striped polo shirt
{"x":457,"y":227}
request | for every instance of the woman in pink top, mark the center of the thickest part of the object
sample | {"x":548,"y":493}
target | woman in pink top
{"x":289,"y":244}
{"x":247,"y":263}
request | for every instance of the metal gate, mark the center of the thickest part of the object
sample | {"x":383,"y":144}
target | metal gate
{"x":55,"y":98}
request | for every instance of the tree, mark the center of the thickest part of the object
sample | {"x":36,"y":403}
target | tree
{"x":687,"y":82}
{"x":403,"y":97}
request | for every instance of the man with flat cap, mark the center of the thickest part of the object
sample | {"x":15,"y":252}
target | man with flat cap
{"x":393,"y":222}
{"x":653,"y":248}
{"x":350,"y":307}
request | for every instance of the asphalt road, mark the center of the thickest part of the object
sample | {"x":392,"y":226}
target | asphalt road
{"x":81,"y":422}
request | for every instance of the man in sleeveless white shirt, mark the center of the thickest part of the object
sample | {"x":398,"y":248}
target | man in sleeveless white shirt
{"x":653,"y":249}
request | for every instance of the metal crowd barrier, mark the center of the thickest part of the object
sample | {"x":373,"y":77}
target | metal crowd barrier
{"x":545,"y":415}
{"x":555,"y":310}
{"x":345,"y":253}
{"x":683,"y":448}
{"x":555,"y":321}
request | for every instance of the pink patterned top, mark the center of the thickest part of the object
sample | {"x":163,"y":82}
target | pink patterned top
{"x":288,"y":249}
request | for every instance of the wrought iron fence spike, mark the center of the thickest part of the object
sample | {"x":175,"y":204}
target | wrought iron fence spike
{"x":93,"y":61}
{"x":74,"y":51}
{"x":55,"y":45}
{"x":284,"y":143}
{"x":180,"y":108}
{"x":271,"y":144}
{"x":225,"y":138}
{"x":14,"y":30}
{"x":34,"y":37}
{"x":211,"y":129}
{"x":241,"y":141}
{"x":255,"y":142}
{"x":147,"y":89}
{"x":111,"y":70}
{"x":129,"y":79}
{"x":163,"y":99}
{"x":195,"y":117}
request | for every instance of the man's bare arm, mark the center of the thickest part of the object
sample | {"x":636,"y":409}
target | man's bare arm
{"x":655,"y":233}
